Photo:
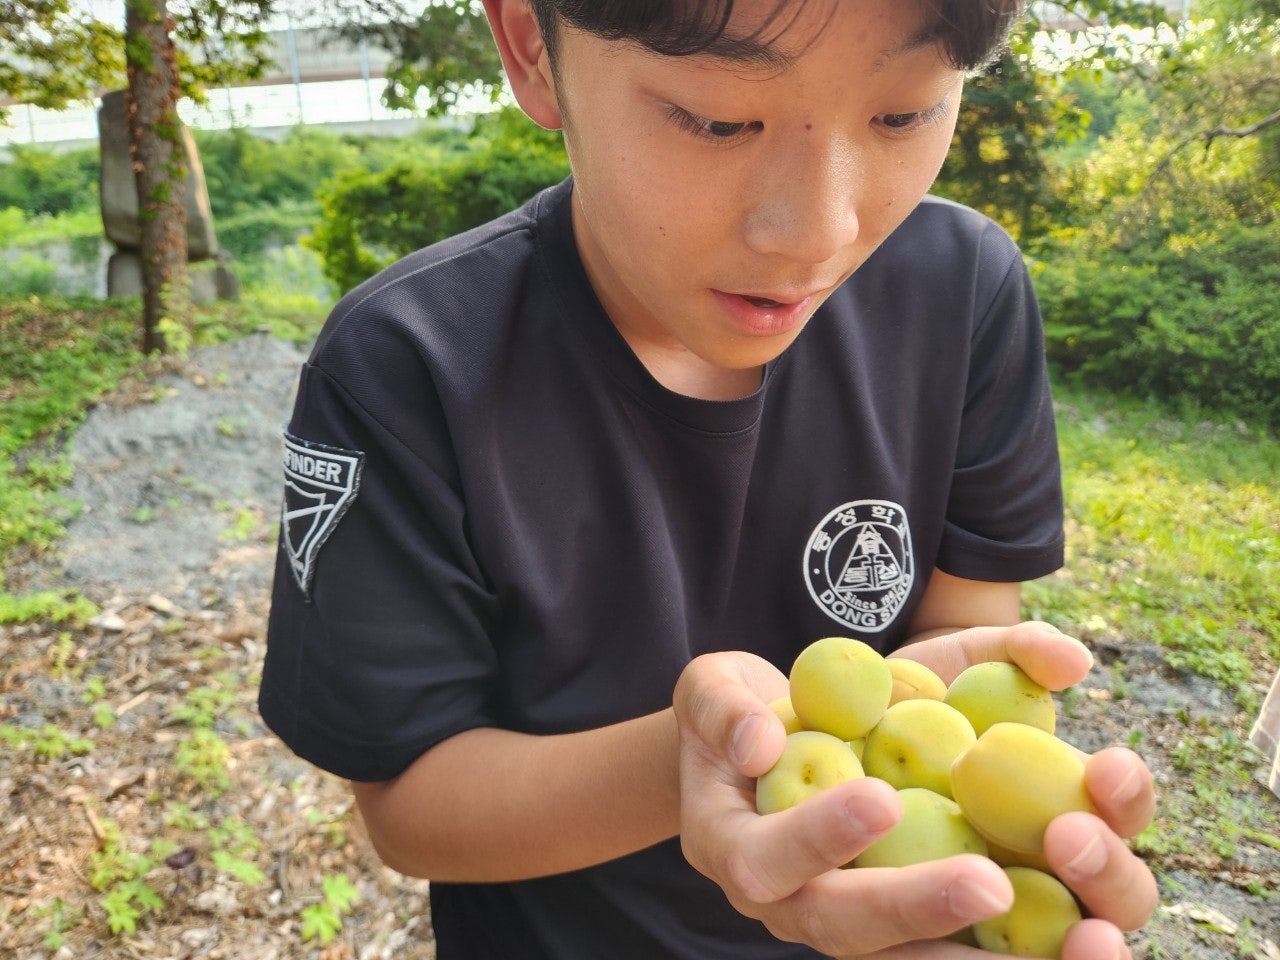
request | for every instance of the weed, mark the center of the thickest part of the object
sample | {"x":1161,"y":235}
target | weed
{"x":333,"y":825}
{"x":234,"y":846}
{"x":120,"y":876}
{"x":48,"y":743}
{"x":1218,"y":811}
{"x":181,"y":815}
{"x":47,"y":606}
{"x":243,"y":526}
{"x":202,"y":759}
{"x":62,"y":918}
{"x":323,"y":920}
{"x":202,"y":705}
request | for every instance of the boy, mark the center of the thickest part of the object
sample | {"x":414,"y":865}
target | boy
{"x":567,"y":494}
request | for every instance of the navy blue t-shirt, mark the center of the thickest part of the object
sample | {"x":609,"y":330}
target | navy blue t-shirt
{"x":495,"y":516}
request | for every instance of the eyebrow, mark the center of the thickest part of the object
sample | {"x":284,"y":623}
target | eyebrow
{"x":926,"y":36}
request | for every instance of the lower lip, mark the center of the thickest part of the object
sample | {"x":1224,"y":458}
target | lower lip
{"x":763,"y":321}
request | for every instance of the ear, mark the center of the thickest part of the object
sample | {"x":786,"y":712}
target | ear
{"x":524,"y":58}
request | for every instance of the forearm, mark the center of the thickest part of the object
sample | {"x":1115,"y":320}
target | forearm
{"x":491,"y":805}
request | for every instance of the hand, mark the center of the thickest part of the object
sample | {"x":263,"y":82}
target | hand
{"x":784,"y":869}
{"x":1085,"y":852}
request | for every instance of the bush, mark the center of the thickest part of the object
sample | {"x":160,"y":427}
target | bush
{"x":371,"y":218}
{"x":247,"y":172}
{"x":27,"y":276}
{"x":39,"y":180}
{"x":1190,"y":318}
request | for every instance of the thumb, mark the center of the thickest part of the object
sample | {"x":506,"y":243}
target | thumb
{"x":721,"y":703}
{"x":1047,"y":655}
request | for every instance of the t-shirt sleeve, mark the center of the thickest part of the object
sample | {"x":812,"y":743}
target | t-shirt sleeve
{"x":1005,"y":510}
{"x":379,"y":634}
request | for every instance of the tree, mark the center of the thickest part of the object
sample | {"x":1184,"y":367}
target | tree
{"x":159,"y":164}
{"x":52,"y":55}
{"x":442,"y":48}
{"x":56,"y":55}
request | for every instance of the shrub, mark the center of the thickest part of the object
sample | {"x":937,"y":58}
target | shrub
{"x":371,"y":218}
{"x":40,"y":180}
{"x":27,"y":276}
{"x":1190,"y":317}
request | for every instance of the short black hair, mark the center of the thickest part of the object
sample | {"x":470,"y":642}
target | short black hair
{"x":971,"y":33}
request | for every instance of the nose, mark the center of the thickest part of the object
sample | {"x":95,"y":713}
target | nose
{"x":805,"y":203}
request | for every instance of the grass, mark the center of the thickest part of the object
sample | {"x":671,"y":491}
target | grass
{"x":1173,"y":538}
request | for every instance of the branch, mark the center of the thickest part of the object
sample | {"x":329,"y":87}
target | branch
{"x":1221,"y":130}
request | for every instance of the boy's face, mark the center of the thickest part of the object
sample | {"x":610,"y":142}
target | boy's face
{"x":717,"y":204}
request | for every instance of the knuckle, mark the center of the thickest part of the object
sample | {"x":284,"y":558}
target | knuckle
{"x":814,"y":928}
{"x":743,"y":872}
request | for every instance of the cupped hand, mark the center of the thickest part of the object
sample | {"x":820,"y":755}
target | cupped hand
{"x":785,"y":869}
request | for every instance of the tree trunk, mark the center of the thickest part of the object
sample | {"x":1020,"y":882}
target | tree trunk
{"x":159,"y":165}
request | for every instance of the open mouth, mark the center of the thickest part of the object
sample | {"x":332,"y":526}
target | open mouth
{"x":762,"y":302}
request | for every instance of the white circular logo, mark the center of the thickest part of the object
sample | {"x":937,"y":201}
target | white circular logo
{"x":859,"y":565}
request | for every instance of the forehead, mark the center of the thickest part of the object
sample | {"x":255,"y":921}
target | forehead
{"x":778,"y":33}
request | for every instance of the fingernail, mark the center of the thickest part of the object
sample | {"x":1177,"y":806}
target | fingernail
{"x":972,"y":901}
{"x":1128,"y":788}
{"x":746,"y":737}
{"x":1090,"y":860}
{"x":869,"y":817}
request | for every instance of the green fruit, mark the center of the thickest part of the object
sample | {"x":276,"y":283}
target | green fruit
{"x":1015,"y":780}
{"x":932,"y":827}
{"x":840,"y":686}
{"x":916,"y":743}
{"x":914,"y":681}
{"x":1037,"y":923}
{"x":783,"y":710}
{"x":996,"y":692}
{"x":811,"y":762}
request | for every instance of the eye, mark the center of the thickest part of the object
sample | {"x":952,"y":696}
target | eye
{"x":899,"y":121}
{"x":906,"y":122}
{"x":716,"y":131}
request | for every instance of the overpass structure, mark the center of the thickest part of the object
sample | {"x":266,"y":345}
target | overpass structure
{"x":317,"y":80}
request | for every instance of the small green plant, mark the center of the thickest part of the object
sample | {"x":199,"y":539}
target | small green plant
{"x":1217,"y":812}
{"x":243,"y":525}
{"x":181,"y":816}
{"x":48,"y":606}
{"x":202,"y":705}
{"x":62,"y":917}
{"x":47,"y":743}
{"x":234,"y":846}
{"x":120,"y":876}
{"x":334,"y":826}
{"x":323,"y":920}
{"x":202,"y":759}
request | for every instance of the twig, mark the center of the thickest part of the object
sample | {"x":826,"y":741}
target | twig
{"x":1221,"y":130}
{"x":94,"y":825}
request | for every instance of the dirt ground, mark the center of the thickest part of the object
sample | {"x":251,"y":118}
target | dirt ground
{"x":184,"y":815}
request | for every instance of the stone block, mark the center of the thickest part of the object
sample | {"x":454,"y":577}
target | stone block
{"x":119,"y":191}
{"x":124,"y":274}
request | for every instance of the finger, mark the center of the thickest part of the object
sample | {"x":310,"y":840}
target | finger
{"x":1088,"y":857}
{"x":1122,"y":789}
{"x":722,"y":701}
{"x":779,"y":853}
{"x":1049,"y":656}
{"x":1094,"y":940}
{"x":859,"y":911}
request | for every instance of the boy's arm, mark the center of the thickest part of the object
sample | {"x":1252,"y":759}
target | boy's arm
{"x":491,"y":805}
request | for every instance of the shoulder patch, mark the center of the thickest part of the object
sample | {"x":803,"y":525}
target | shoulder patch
{"x":320,"y":483}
